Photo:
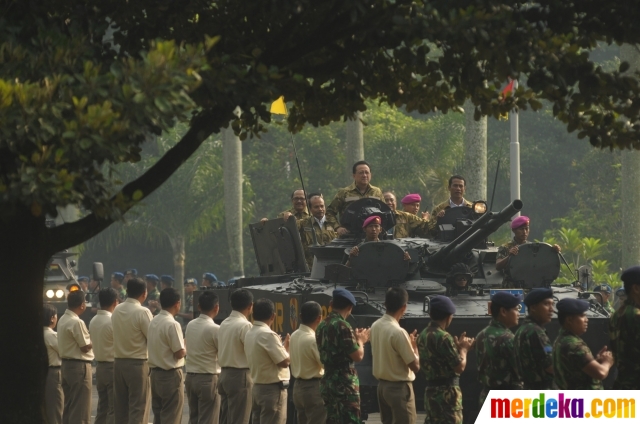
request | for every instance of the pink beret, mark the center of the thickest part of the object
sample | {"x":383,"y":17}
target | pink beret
{"x":519,"y":222}
{"x":374,"y":219}
{"x":411,"y":198}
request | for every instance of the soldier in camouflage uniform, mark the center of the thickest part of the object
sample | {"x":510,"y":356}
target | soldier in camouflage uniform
{"x":520,"y":228}
{"x":360,"y":189}
{"x":574,"y":367}
{"x":153,"y":295}
{"x":190,"y":285}
{"x":624,"y":331}
{"x":605,"y":290}
{"x":407,"y":224}
{"x":497,"y":368}
{"x":532,"y":345}
{"x":116,"y":282}
{"x":339,"y":347}
{"x":316,"y":222}
{"x":442,"y":359}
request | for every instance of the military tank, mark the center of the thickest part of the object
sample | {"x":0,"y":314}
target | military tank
{"x":461,"y":240}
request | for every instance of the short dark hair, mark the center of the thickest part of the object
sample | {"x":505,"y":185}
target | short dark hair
{"x":562,"y":317}
{"x":263,"y":309}
{"x":75,"y":299}
{"x":341,"y":303}
{"x":136,"y":287}
{"x":48,"y":311}
{"x":395,"y":298}
{"x":360,"y":162}
{"x":495,"y":310}
{"x":169,"y":297}
{"x":207,"y":301}
{"x":312,"y":195}
{"x":241,"y":299}
{"x":309,"y":312}
{"x":294,"y":192}
{"x":438,"y":315}
{"x":457,"y":177}
{"x":107,"y":296}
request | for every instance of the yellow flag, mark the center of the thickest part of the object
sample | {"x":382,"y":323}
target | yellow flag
{"x":278,"y":107}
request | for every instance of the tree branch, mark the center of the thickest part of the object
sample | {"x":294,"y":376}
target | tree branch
{"x":72,"y":234}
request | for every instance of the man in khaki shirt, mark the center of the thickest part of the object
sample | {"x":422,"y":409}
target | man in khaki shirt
{"x":268,"y":357}
{"x":131,"y":386}
{"x":53,"y":394}
{"x":235,"y":382}
{"x":75,"y":347}
{"x":202,"y":363}
{"x":395,"y":359}
{"x":307,"y":368}
{"x":101,"y":331}
{"x":166,"y":359}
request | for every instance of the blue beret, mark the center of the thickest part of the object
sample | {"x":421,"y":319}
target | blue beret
{"x":603,"y":288}
{"x":152,"y":277}
{"x":631,"y":275}
{"x":83,"y":278}
{"x":132,"y":271}
{"x":345,"y":294}
{"x":572,"y":306}
{"x":620,"y":291}
{"x":536,"y":296}
{"x":442,"y":304}
{"x":505,"y":299}
{"x":166,"y":279}
{"x":117,"y":276}
{"x":191,"y":281}
{"x":209,"y":276}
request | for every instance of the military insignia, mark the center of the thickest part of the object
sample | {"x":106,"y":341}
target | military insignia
{"x":293,"y":313}
{"x":307,"y":229}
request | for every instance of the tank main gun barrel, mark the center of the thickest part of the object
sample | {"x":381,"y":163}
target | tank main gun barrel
{"x":479,"y":230}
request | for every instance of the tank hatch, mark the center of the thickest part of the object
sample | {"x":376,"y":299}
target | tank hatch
{"x":535,"y":265}
{"x":380,"y":264}
{"x":278,"y":247}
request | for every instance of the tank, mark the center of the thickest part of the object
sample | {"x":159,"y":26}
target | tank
{"x":58,"y":278}
{"x":461,"y":240}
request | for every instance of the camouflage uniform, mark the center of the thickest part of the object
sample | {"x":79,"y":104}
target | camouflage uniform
{"x":152,"y":295}
{"x":607,"y":307}
{"x":497,"y":368}
{"x":324,"y":235}
{"x":438,"y":358}
{"x":570,"y":355}
{"x":503,"y":252}
{"x":339,"y":387}
{"x":299,"y":215}
{"x":433,"y":223}
{"x":533,"y":355}
{"x":122,"y":294}
{"x":624,"y":331}
{"x":409,"y":225}
{"x":346,"y":195}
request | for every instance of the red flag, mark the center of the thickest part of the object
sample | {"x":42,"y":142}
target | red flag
{"x":508,"y":89}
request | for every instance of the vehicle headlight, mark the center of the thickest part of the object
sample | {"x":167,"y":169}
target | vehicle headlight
{"x":49,"y":294}
{"x":479,"y":207}
{"x":59,"y":294}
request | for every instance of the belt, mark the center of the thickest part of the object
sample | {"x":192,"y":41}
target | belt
{"x":234,"y":368}
{"x":444,"y":381}
{"x":309,"y":379}
{"x":162,"y":369}
{"x":54,"y":366}
{"x":105,"y":362}
{"x":200,"y":373}
{"x":76,"y":360}
{"x":397,"y":381}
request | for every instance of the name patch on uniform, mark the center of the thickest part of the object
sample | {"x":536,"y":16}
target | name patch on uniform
{"x":351,"y":199}
{"x":307,"y":229}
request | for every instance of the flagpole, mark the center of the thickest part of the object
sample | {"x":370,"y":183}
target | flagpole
{"x":514,"y":152}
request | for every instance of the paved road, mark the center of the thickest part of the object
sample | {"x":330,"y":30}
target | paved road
{"x":373,"y":418}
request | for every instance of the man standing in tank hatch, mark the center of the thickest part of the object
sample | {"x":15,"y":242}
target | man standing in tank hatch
{"x":316,"y":222}
{"x":407,"y":224}
{"x":299,"y":207}
{"x":360,"y":189}
{"x":339,"y":347}
{"x":532,"y":345}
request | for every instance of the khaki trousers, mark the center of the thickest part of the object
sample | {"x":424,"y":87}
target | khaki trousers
{"x":308,"y":402}
{"x":235,"y":386}
{"x":132,"y":391}
{"x":53,"y":396}
{"x":203,"y":398}
{"x":76,"y":385}
{"x":397,"y":402}
{"x":269,"y":404}
{"x":104,"y":385}
{"x":167,"y":395}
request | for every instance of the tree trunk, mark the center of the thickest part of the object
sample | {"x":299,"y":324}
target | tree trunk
{"x":475,"y":156}
{"x":24,"y":253}
{"x":631,"y":180}
{"x":232,"y":152}
{"x":355,"y":143}
{"x":179,"y":257}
